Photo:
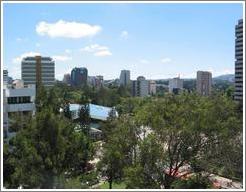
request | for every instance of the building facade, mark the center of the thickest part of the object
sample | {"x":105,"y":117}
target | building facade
{"x":38,"y":70}
{"x":67,"y":79}
{"x":5,"y":77}
{"x":140,"y":87}
{"x":152,"y":87}
{"x":238,"y":95}
{"x":95,"y":81}
{"x":79,"y":77}
{"x":175,"y":85}
{"x":125,"y":77}
{"x":204,"y":83}
{"x":17,"y":99}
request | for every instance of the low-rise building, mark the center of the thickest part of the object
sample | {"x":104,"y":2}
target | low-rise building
{"x":17,"y":98}
{"x":97,"y":114}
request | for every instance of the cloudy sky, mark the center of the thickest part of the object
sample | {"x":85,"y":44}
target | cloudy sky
{"x":153,"y":40}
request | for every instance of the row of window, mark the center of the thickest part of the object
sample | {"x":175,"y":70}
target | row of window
{"x":239,"y":73}
{"x":18,"y":100}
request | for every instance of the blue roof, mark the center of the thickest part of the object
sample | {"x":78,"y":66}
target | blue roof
{"x":96,"y":111}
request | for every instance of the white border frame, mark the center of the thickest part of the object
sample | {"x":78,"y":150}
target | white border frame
{"x":120,"y":2}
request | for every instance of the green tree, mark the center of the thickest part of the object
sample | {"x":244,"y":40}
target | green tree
{"x":47,"y":149}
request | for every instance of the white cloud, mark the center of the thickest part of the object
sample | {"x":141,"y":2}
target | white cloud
{"x":144,"y":61}
{"x":19,"y":58}
{"x":97,"y":50}
{"x":103,"y":53}
{"x":166,"y":60}
{"x":61,"y":58}
{"x":67,"y":29}
{"x":124,"y":35}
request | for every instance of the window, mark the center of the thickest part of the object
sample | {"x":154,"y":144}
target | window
{"x":16,"y":100}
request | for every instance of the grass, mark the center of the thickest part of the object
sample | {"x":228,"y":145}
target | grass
{"x":115,"y":185}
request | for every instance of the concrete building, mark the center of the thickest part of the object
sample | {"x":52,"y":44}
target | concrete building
{"x":140,"y":87}
{"x":175,"y":85}
{"x":152,"y":87}
{"x":125,"y":77}
{"x":5,"y":77}
{"x":95,"y":81}
{"x":238,"y":95}
{"x":17,"y":99}
{"x":79,"y":77}
{"x":67,"y":79}
{"x":38,"y":70}
{"x":204,"y":82}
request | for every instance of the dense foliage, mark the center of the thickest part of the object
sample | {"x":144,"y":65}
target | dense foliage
{"x":143,"y":147}
{"x":154,"y":137}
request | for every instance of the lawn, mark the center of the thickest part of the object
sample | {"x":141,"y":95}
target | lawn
{"x":118,"y":185}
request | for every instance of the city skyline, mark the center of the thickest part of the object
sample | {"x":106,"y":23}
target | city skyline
{"x":149,"y":40}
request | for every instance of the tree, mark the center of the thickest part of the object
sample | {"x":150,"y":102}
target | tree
{"x":47,"y":149}
{"x":119,"y":148}
{"x":146,"y":172}
{"x":187,"y":126}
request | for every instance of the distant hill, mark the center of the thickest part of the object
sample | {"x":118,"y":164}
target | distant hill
{"x":227,"y":77}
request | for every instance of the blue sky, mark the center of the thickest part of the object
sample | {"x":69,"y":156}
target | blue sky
{"x":153,"y":40}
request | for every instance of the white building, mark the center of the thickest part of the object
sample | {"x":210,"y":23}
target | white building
{"x":125,"y":77}
{"x":204,"y":82}
{"x":140,"y":87}
{"x":17,"y":99}
{"x":37,"y":70}
{"x":152,"y":87}
{"x":175,"y":85}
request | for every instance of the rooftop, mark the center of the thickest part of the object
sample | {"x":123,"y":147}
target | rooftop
{"x":96,"y":111}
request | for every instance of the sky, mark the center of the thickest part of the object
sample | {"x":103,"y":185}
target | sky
{"x":157,"y":41}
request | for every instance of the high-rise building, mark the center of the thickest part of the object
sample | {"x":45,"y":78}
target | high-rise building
{"x":5,"y":77}
{"x":79,"y":77}
{"x":140,"y":87}
{"x":95,"y":81}
{"x":152,"y":87}
{"x":38,"y":70}
{"x":238,"y":95}
{"x":67,"y":79}
{"x":204,"y":82}
{"x":175,"y":85}
{"x":125,"y":77}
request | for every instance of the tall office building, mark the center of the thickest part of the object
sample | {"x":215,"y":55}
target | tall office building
{"x":5,"y":77}
{"x":204,"y":82}
{"x":238,"y":95}
{"x":140,"y":87}
{"x":95,"y":81}
{"x":125,"y":77}
{"x":152,"y":87}
{"x":79,"y":77}
{"x":175,"y":85}
{"x":38,"y":70}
